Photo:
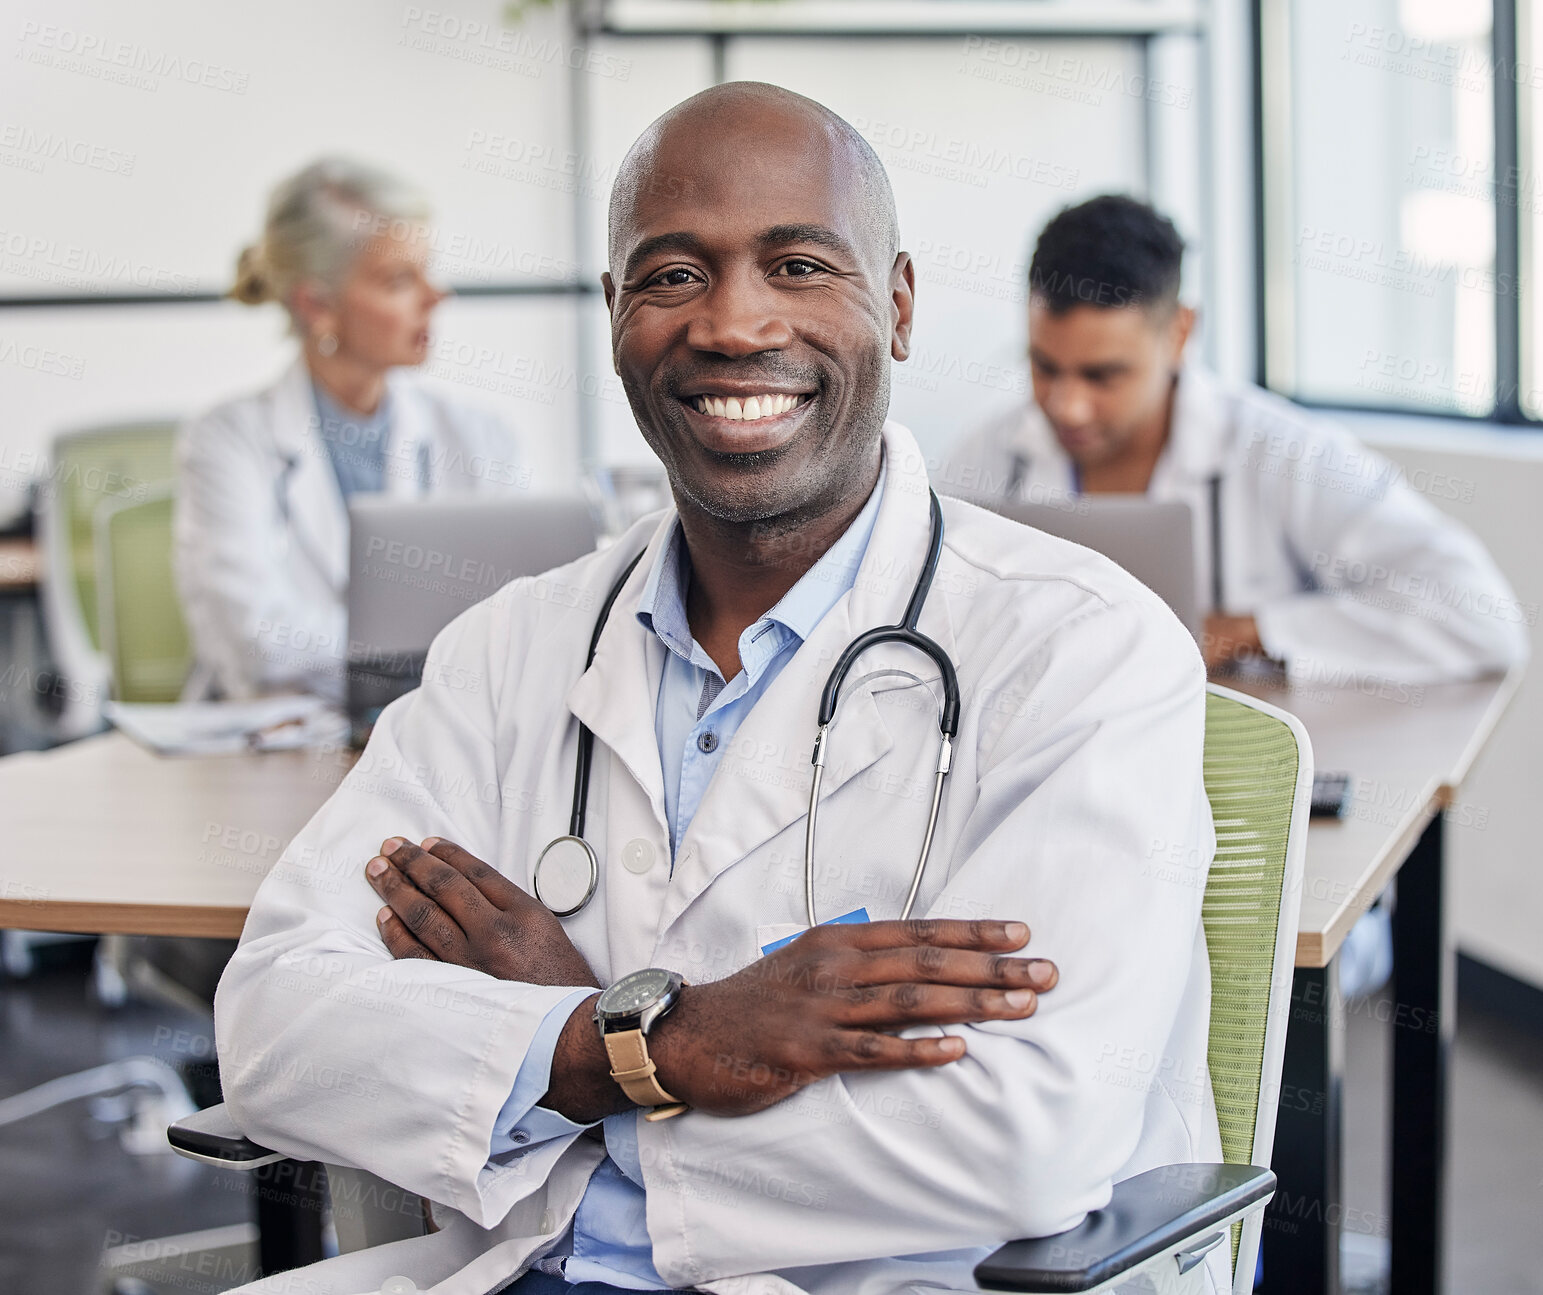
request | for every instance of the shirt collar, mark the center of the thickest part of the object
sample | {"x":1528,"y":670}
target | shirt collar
{"x":662,"y":604}
{"x":333,"y":415}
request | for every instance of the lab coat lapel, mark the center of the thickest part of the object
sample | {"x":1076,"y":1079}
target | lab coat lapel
{"x":762,"y":784}
{"x":616,"y":696}
{"x":413,"y":433}
{"x":318,"y":518}
{"x":1047,"y":475}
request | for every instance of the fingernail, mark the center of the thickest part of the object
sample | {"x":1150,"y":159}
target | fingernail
{"x":1042,"y":973}
{"x":375,"y":867}
{"x":392,"y":846}
{"x":429,"y":842}
{"x":380,"y":917}
{"x":1017,"y":931}
{"x":1017,"y":998}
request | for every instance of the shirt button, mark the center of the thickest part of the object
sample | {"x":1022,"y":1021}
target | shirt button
{"x":638,"y":855}
{"x":708,"y":742}
{"x":520,"y":1137}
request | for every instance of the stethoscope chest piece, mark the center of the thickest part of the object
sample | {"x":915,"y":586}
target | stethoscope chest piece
{"x":566,"y":875}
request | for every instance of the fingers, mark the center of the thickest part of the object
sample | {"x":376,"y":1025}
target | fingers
{"x":400,"y":942}
{"x":496,"y":888}
{"x":896,"y":1007}
{"x":931,"y":964}
{"x":425,"y":919}
{"x":865,"y":1050}
{"x":445,"y":885}
{"x":948,"y":933}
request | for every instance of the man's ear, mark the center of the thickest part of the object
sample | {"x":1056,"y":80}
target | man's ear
{"x":609,"y":288}
{"x":1179,"y":329}
{"x":902,"y":301}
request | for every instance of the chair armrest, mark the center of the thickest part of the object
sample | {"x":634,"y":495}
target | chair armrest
{"x":1161,"y":1212}
{"x":212,"y":1136}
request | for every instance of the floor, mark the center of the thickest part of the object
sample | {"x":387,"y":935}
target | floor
{"x":69,"y":1190}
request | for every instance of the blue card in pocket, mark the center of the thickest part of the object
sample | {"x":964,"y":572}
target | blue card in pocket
{"x":856,"y":915}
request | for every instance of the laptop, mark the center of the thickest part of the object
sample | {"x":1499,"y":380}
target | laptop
{"x":1154,"y":541}
{"x":414,"y":565}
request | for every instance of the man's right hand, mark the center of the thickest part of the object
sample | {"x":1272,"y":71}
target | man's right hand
{"x":833,"y":1000}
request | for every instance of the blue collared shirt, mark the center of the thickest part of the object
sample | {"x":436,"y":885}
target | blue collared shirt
{"x":355,"y":443}
{"x":696,"y":716}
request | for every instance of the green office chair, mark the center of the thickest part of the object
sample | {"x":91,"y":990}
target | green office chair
{"x":139,"y":615}
{"x":1160,"y":1225}
{"x":1163,"y":1223}
{"x":87,"y":468}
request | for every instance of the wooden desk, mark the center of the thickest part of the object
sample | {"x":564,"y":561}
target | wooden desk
{"x":1407,"y":751}
{"x":104,"y":837}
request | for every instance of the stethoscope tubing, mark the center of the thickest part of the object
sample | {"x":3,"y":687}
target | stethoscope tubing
{"x":905,"y":632}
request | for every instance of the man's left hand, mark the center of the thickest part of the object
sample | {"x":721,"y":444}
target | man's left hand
{"x":443,"y":902}
{"x":1230,"y":638}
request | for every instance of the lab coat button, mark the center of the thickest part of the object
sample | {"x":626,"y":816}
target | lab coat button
{"x":638,"y":855}
{"x":547,"y":1222}
{"x":398,"y":1286}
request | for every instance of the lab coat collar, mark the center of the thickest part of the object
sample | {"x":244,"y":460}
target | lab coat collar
{"x":762,"y":785}
{"x":1197,"y":445}
{"x":1197,"y":442}
{"x":318,"y":513}
{"x":314,"y":503}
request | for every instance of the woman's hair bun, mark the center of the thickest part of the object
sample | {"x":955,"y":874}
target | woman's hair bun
{"x":252,"y":286}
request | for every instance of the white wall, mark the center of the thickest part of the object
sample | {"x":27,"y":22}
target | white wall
{"x":137,"y":146}
{"x":1495,"y":879}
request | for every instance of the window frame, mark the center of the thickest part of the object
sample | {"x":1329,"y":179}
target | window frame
{"x":1275,"y":297}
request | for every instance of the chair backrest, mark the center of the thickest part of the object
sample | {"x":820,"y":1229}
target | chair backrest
{"x":1258,"y":777}
{"x":86,"y":467}
{"x":139,"y":616}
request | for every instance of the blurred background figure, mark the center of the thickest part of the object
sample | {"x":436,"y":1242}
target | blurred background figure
{"x":264,"y":479}
{"x":1311,"y":549}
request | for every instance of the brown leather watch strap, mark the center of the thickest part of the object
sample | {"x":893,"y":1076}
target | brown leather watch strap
{"x":635,"y":1072}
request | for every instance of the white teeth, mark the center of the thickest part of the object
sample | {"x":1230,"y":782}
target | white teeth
{"x":750,"y":410}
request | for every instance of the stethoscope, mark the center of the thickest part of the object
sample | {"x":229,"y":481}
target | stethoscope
{"x":568,"y":871}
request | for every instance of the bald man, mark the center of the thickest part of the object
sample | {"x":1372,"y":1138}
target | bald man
{"x":708,"y":1061}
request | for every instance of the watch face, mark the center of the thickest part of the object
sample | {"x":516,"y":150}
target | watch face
{"x":631,"y":994}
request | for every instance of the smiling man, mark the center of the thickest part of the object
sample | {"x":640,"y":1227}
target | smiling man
{"x":750,"y":1105}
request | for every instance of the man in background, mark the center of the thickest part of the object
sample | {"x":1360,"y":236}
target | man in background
{"x":1311,"y":550}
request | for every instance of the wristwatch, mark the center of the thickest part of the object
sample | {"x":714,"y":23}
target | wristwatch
{"x":625,"y":1013}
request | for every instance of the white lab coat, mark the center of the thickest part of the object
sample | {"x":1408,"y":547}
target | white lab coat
{"x":1351,"y":575}
{"x":261,"y":528}
{"x":1075,"y":803}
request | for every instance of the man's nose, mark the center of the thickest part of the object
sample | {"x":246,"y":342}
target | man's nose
{"x":1068,"y":403}
{"x":739,"y":319}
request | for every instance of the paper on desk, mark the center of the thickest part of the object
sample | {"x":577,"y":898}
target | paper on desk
{"x":227,"y":727}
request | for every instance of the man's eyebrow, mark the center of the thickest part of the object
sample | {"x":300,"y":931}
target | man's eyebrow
{"x":819,"y":235}
{"x":679,"y":240}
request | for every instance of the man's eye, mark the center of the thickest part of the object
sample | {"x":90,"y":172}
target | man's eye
{"x":676,"y":277}
{"x":800,"y":269}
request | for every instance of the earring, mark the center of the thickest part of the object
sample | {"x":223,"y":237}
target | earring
{"x":327,"y":344}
